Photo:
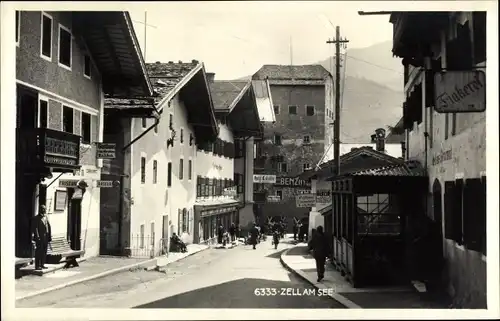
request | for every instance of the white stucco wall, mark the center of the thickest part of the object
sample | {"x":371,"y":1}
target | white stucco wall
{"x":152,"y":201}
{"x":213,"y":166}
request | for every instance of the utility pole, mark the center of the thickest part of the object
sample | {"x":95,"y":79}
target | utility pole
{"x":336,"y":125}
{"x":146,"y":25}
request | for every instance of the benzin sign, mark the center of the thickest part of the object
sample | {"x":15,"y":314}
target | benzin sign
{"x":292,"y":182}
{"x":264,"y":179}
{"x":460,"y":91}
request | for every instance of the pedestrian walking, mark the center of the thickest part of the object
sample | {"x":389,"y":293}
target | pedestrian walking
{"x":254,"y":235}
{"x":321,"y":248}
{"x":220,"y":234}
{"x":295,"y":230}
{"x":42,"y":236}
{"x":232,"y":232}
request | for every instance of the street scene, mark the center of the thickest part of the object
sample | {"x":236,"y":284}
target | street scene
{"x":265,"y":165}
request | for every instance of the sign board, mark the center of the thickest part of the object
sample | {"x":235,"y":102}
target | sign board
{"x":291,"y":182}
{"x":273,"y":199}
{"x":305,"y":200}
{"x":105,"y":184}
{"x":460,"y":91}
{"x":264,"y":179}
{"x":59,"y":151}
{"x":106,"y":150}
{"x":68,"y":182}
{"x":229,"y":191}
{"x":302,"y":191}
{"x":323,"y":196}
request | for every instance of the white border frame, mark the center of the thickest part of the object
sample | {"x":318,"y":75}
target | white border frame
{"x":314,"y":110}
{"x":42,"y":14}
{"x":18,"y":27}
{"x":89,"y":77}
{"x":81,"y":128}
{"x":62,"y":27}
{"x":42,"y":97}
{"x":145,"y":155}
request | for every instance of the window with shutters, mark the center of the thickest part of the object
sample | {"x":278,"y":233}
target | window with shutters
{"x":210,"y":187}
{"x":184,"y":220}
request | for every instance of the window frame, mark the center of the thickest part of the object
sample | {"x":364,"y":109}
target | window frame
{"x":85,"y":56}
{"x":42,"y":55}
{"x":308,"y":139}
{"x":280,"y":167}
{"x":72,"y":118}
{"x":277,"y":107}
{"x":296,"y":110}
{"x":181,"y":168}
{"x":190,"y":169}
{"x":169,"y":174}
{"x":278,"y":142}
{"x":90,"y":129}
{"x":60,"y":64}
{"x":313,"y":110}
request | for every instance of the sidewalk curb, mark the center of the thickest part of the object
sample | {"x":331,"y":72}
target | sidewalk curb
{"x":158,"y":267}
{"x":337,"y":297}
{"x":89,"y":278}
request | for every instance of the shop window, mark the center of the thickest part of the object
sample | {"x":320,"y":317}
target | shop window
{"x":169,"y":174}
{"x":155,"y":172}
{"x":64,"y":46}
{"x":479,"y":34}
{"x":276,"y":109}
{"x":310,"y":110}
{"x":377,"y":214}
{"x":86,"y":66}
{"x":86,"y":128}
{"x":292,"y":110}
{"x":47,"y":33}
{"x":68,"y":119}
{"x":143,"y":170}
{"x":453,"y":210}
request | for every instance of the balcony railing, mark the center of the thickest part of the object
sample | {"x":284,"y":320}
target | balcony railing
{"x":42,"y":147}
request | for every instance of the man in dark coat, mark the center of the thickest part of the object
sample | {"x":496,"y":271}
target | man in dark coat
{"x":254,"y":235}
{"x":42,"y":236}
{"x":220,"y":234}
{"x":232,"y":232}
{"x":321,"y":248}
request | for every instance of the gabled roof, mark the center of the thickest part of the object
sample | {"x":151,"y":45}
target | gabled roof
{"x":225,"y":93}
{"x":409,"y":168}
{"x":292,"y":72}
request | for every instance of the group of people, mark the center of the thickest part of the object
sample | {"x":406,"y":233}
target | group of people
{"x":299,"y":231}
{"x":224,"y":236}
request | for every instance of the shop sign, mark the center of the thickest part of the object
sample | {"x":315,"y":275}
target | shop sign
{"x":229,"y":191}
{"x":60,"y":152}
{"x":273,"y":199}
{"x":323,"y":196}
{"x":264,"y":179}
{"x":291,"y":182}
{"x":460,"y":91}
{"x":106,"y":150}
{"x":68,"y":183}
{"x":302,"y":191}
{"x":442,"y":157}
{"x":305,"y":200}
{"x":105,"y":184}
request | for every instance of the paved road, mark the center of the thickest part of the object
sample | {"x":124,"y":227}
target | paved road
{"x":215,"y":278}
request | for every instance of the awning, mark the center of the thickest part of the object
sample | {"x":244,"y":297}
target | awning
{"x":216,"y":207}
{"x":111,"y":40}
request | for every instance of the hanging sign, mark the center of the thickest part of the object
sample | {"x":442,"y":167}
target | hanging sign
{"x":305,"y":200}
{"x":264,"y":179}
{"x":68,"y":182}
{"x":460,"y":91}
{"x":106,"y":150}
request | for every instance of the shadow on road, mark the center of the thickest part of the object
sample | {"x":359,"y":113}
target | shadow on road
{"x":276,"y":255}
{"x":247,"y":293}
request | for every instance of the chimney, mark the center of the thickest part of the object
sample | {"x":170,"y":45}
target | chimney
{"x":380,"y":139}
{"x":210,"y":76}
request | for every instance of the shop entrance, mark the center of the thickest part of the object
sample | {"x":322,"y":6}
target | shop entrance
{"x":74,"y":229}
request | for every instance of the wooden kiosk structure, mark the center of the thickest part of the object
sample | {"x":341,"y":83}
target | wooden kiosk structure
{"x":370,"y":212}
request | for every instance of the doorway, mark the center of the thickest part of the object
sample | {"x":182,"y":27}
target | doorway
{"x":74,"y":229}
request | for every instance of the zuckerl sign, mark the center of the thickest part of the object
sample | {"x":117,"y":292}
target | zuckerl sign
{"x":460,"y":91}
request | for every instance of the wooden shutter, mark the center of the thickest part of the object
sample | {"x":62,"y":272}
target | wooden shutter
{"x":474,"y":223}
{"x":449,"y":188}
{"x":458,"y":211}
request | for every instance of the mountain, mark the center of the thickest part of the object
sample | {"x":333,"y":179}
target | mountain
{"x":372,"y":94}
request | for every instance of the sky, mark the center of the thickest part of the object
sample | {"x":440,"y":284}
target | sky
{"x":234,"y":39}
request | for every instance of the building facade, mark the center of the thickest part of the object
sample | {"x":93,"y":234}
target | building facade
{"x":159,"y":142}
{"x":445,"y":65}
{"x":62,"y":75}
{"x":302,"y":98}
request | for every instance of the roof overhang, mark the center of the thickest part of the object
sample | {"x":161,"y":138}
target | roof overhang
{"x":131,"y":108}
{"x":110,"y":38}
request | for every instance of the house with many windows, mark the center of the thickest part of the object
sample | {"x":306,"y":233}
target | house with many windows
{"x":159,"y":143}
{"x":66,"y":62}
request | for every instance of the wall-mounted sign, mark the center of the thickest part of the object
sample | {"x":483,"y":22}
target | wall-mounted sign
{"x":460,"y":91}
{"x":292,"y":182}
{"x":105,"y":184}
{"x":68,"y":182}
{"x":230,"y":191}
{"x":60,"y":203}
{"x":442,"y":157}
{"x":302,"y":191}
{"x":60,"y":151}
{"x":323,"y":196}
{"x":273,"y":199}
{"x":264,"y":179}
{"x":305,"y":200}
{"x":106,"y":150}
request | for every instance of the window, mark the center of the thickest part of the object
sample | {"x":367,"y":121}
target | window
{"x":282,"y":167}
{"x":277,"y":139}
{"x":171,"y":121}
{"x":181,"y":136}
{"x":67,"y":119}
{"x":184,"y":220}
{"x":43,"y":113}
{"x":292,"y":110}
{"x":152,"y":233}
{"x":198,"y":186}
{"x":86,"y":66}
{"x":143,"y":170}
{"x":446,"y":125}
{"x":144,"y":122}
{"x":46,"y":42}
{"x":141,"y":236}
{"x":239,"y":181}
{"x":18,"y":26}
{"x":306,"y":166}
{"x":310,"y":110}
{"x":191,"y":139}
{"x":190,"y":169}
{"x":181,"y":169}
{"x":276,"y":109}
{"x":86,"y":128}
{"x":279,"y":193}
{"x":307,"y":139}
{"x":64,"y":46}
{"x":155,"y":172}
{"x":453,"y":124}
{"x":169,"y":174}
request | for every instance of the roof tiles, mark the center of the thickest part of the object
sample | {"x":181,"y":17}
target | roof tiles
{"x":225,"y":92}
{"x":292,"y":72}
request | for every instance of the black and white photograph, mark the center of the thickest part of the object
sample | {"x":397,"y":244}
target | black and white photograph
{"x":295,"y":159}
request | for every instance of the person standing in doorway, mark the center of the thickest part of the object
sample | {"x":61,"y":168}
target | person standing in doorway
{"x":42,"y":236}
{"x":320,"y":247}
